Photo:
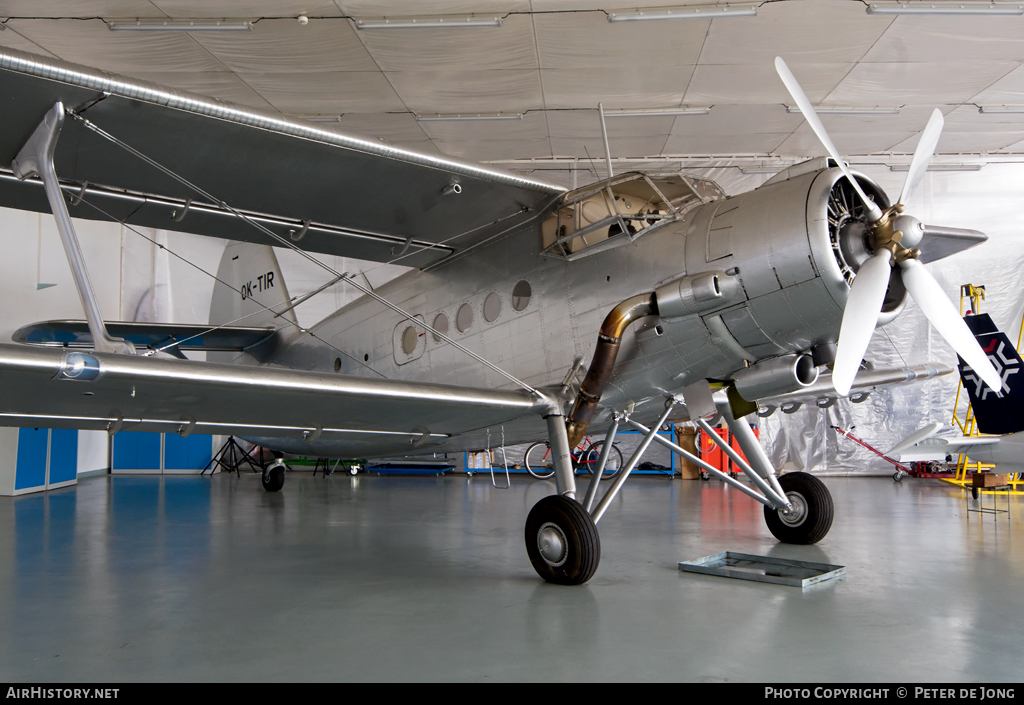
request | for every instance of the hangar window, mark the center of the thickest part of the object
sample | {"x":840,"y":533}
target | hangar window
{"x":521,"y":294}
{"x":464,"y":318}
{"x":492,"y":307}
{"x":440,"y":324}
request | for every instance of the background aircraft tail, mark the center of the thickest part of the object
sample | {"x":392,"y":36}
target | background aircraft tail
{"x":1003,"y":412}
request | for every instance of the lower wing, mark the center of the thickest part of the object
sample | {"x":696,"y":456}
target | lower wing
{"x":55,"y":388}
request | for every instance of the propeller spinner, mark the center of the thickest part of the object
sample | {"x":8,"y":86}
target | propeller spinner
{"x":892,"y":238}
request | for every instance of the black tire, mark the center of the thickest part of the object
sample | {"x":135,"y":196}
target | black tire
{"x":897,"y":476}
{"x":580,"y":546}
{"x":815,"y":510}
{"x":704,"y":475}
{"x":538,"y":461}
{"x":273,"y":478}
{"x":611,"y":469}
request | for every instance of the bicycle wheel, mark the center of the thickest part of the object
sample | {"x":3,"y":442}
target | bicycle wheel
{"x":611,"y":469}
{"x":538,"y":461}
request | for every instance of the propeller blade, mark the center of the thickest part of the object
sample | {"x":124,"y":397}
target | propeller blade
{"x":793,"y":86}
{"x":915,"y":437}
{"x":923,"y":154}
{"x":941,"y":313}
{"x":860,"y":318}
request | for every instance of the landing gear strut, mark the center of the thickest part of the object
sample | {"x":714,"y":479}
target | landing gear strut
{"x":273,"y":476}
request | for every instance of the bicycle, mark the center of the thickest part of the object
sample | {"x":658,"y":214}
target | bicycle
{"x":539,"y":463}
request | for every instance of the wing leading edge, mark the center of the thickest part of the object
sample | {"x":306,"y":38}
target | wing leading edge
{"x":341,"y":194}
{"x":362,"y":417}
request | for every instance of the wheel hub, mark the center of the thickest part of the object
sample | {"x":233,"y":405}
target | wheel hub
{"x":798,"y":513}
{"x":551,"y":543}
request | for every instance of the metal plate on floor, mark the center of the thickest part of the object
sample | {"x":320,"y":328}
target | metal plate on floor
{"x":763,"y":569}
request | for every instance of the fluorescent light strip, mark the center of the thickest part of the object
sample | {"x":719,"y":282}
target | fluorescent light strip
{"x":691,"y":13}
{"x":427,"y":23}
{"x":644,"y":112}
{"x":829,"y":110}
{"x":181,"y":26}
{"x":939,"y":167}
{"x":945,"y":9}
{"x":469,"y":116}
{"x":1001,"y":108}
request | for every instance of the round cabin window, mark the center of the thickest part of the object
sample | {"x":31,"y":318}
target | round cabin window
{"x":409,"y":337}
{"x":492,"y":307}
{"x":521,"y":294}
{"x":440,"y":324}
{"x":337,"y":364}
{"x":464,"y":318}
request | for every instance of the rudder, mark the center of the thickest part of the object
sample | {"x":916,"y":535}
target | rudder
{"x":995,"y":413}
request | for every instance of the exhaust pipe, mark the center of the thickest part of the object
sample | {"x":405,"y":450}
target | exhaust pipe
{"x":603,"y":362}
{"x":779,"y":375}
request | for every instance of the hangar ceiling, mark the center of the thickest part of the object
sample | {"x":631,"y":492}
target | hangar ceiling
{"x":553,"y":61}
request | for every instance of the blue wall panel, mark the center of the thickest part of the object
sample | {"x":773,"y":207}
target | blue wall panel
{"x":136,"y":451}
{"x":189,"y":453}
{"x":31,"y":467}
{"x":63,"y":455}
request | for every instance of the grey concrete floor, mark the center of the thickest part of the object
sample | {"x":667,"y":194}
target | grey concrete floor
{"x":426,"y":578}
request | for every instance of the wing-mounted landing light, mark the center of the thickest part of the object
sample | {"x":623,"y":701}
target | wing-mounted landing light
{"x":891,"y":238}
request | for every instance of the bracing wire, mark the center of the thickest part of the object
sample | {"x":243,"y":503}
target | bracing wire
{"x":292,"y":246}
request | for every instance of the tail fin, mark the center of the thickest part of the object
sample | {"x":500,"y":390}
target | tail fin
{"x":1001,"y":412}
{"x":250,"y":284}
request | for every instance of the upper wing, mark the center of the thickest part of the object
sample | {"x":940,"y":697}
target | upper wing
{"x":341,"y":194}
{"x":824,"y":394}
{"x":362,"y":417}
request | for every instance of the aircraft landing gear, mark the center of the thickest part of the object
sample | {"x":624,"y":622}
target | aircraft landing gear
{"x":273,"y":476}
{"x":562,"y":541}
{"x":811,"y":516}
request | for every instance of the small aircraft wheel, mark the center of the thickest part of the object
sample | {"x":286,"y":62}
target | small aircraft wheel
{"x":705,"y":475}
{"x":811,"y":516}
{"x":562,"y":541}
{"x":353,"y":470}
{"x":897,"y":476}
{"x":273,"y":476}
{"x":974,"y":492}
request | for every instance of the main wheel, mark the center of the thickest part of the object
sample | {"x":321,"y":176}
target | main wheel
{"x":612,"y":468}
{"x":273,"y":476}
{"x":562,"y":541}
{"x":538,"y":461}
{"x":811,"y":516}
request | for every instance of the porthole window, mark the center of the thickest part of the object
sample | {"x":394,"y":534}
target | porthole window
{"x":409,"y":336}
{"x":521,"y":294}
{"x":492,"y":307}
{"x":337,"y":364}
{"x":464,"y":318}
{"x":440,"y":324}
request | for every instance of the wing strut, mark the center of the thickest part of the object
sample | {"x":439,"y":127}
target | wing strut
{"x":36,"y":158}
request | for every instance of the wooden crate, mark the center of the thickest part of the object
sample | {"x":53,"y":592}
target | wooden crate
{"x":989,"y":479}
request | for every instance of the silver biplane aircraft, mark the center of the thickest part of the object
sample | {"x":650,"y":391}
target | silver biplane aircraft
{"x":699,"y":305}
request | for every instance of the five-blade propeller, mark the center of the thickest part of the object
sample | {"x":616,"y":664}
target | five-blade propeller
{"x":867,"y":293}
